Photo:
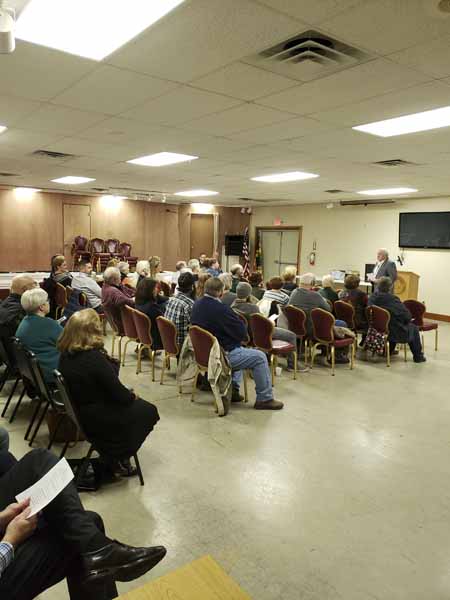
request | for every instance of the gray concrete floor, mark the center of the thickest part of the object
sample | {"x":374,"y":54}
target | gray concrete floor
{"x":343,"y":494}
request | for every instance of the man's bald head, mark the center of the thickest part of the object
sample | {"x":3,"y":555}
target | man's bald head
{"x":22,"y":283}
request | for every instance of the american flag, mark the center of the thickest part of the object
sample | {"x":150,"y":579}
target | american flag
{"x":245,"y":254}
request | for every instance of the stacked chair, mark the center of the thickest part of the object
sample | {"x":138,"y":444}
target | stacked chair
{"x":100,"y":252}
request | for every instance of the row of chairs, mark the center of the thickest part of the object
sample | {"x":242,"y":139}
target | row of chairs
{"x":100,"y":252}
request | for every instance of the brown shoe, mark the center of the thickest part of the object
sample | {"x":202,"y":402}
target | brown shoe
{"x":270,"y":405}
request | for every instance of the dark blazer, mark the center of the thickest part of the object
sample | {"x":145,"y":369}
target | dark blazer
{"x":114,"y":419}
{"x":388,"y":269}
{"x":400,"y":315}
{"x":220,"y":320}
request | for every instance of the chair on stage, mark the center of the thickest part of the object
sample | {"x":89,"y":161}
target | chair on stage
{"x":323,"y":335}
{"x":112,"y":246}
{"x":262,"y":330}
{"x":144,"y":327}
{"x":168,"y":333}
{"x":125,"y":254}
{"x":80,"y":250}
{"x":99,"y":258}
{"x":296,"y":318}
{"x":129,"y":329}
{"x":417,"y":310}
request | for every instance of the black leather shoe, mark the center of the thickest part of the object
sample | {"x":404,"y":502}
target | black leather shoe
{"x":419,"y":359}
{"x":119,"y":562}
{"x":236,"y":396}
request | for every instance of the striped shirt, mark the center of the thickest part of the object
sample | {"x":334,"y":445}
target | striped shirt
{"x":276,"y":296}
{"x":6,"y":556}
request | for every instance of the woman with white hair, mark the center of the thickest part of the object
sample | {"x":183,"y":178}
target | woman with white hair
{"x":39,"y":334}
{"x":228,"y":296}
{"x":328,"y":291}
{"x":237,"y":274}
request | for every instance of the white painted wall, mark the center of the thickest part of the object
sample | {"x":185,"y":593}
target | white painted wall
{"x":348,"y":237}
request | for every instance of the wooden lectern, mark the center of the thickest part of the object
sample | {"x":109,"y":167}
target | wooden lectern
{"x":407,"y":285}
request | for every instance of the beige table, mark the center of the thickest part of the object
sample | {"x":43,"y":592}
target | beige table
{"x":202,"y":579}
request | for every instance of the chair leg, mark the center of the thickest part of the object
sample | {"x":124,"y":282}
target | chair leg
{"x":4,"y":378}
{"x":113,"y":344}
{"x":139,"y":359}
{"x":404,"y":351}
{"x":244,"y":378}
{"x":41,"y":418}
{"x":124,"y":353}
{"x":333,"y":360}
{"x":295,"y":365}
{"x":16,"y":408}
{"x":33,"y":418}
{"x":11,"y":394}
{"x":423,"y":341}
{"x":64,"y":450}
{"x":194,"y":389}
{"x":164,"y":363}
{"x":152,"y":358}
{"x":53,"y":437}
{"x":353,"y":353}
{"x":138,"y":467}
{"x":272,"y":369}
{"x":388,"y":353}
{"x":436,"y":340}
{"x":120,"y":348}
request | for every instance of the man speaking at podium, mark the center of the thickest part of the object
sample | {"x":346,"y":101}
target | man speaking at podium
{"x":383,"y":268}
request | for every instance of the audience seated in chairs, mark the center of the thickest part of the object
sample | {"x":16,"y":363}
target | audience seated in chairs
{"x":152,"y":304}
{"x":39,"y":334}
{"x":194,"y":267}
{"x":306,"y":298}
{"x":142,"y":271}
{"x":155,"y":267}
{"x":256,"y":281}
{"x":11,"y":311}
{"x":351,"y":293}
{"x":237,"y":275}
{"x":179,"y":307}
{"x":114,"y":419}
{"x":289,"y":279}
{"x":228,"y":297}
{"x":401,"y":329}
{"x":200,"y":285}
{"x":114,"y":294}
{"x":59,"y":274}
{"x":220,"y":320}
{"x":64,"y":541}
{"x":212,"y":267}
{"x":181,"y":264}
{"x":126,"y":277}
{"x":83,"y":282}
{"x":275,"y":293}
{"x":328,"y":291}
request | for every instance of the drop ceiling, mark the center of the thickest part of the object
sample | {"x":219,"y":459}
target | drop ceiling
{"x":189,"y":84}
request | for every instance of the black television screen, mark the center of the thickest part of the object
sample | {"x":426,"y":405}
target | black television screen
{"x":424,"y":230}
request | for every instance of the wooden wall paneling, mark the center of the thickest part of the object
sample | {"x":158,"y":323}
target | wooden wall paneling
{"x":171,"y":250}
{"x":184,"y":232}
{"x":231,"y":222}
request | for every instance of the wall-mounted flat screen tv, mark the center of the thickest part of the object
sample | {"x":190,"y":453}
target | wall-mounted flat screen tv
{"x":424,"y":230}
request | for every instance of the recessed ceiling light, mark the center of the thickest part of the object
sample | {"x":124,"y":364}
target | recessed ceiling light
{"x":112,"y":198}
{"x":161,"y":159}
{"x":71,"y":180}
{"x":23,"y":193}
{"x":422,"y":121}
{"x":279,"y":177}
{"x":388,"y":191}
{"x":90,"y":28}
{"x":3,"y":128}
{"x":196,"y":193}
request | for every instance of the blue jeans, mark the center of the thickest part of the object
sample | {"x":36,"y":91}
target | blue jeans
{"x":256,"y":361}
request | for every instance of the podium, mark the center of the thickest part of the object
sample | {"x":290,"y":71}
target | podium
{"x":407,"y":285}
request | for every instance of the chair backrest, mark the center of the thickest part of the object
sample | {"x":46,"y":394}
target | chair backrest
{"x":115,"y":323}
{"x":378,"y":318}
{"x":82,"y":299}
{"x":60,"y":295}
{"x":80,"y":243}
{"x":6,"y":354}
{"x":262,"y":329}
{"x":97,"y":245}
{"x":129,"y":327}
{"x":65,"y":397}
{"x":417,"y":310}
{"x":322,"y":324}
{"x":69,"y":292}
{"x":345,"y":311}
{"x":143,"y":327}
{"x":244,"y":319}
{"x":125,"y":249}
{"x":168,"y":333}
{"x":202,"y":342}
{"x":296,"y":320}
{"x":23,"y":359}
{"x":112,"y":246}
{"x":40,"y":384}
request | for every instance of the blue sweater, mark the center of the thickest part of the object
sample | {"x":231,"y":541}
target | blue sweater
{"x":39,"y":334}
{"x":218,"y":318}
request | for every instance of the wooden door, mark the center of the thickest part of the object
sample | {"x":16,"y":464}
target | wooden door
{"x":202,"y":235}
{"x":76,"y":221}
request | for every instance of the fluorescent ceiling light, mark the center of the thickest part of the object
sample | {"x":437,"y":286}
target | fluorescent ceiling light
{"x":23,"y":193}
{"x":161,"y":159}
{"x":71,"y":180}
{"x":278,"y":177}
{"x":90,"y":28}
{"x":196,"y":193}
{"x":3,"y":128}
{"x":423,"y":121}
{"x":388,"y":191}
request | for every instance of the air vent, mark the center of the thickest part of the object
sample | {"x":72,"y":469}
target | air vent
{"x":394,"y":162}
{"x":60,"y":156}
{"x":100,"y":190}
{"x":309,"y":55}
{"x":335,"y":192}
{"x":367,"y":202}
{"x":262,"y":200}
{"x":9,"y":175}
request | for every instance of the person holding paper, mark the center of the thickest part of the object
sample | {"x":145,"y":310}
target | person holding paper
{"x":65,"y":541}
{"x":383,"y":268}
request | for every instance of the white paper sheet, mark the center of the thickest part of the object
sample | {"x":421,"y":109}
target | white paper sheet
{"x":274,"y":317}
{"x":48,"y":487}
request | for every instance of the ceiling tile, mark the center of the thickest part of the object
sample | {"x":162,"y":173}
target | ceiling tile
{"x":39,"y":73}
{"x":292,"y":128}
{"x":237,"y":119}
{"x":202,"y":36}
{"x":364,"y":81}
{"x":179,"y":106}
{"x":116,"y":130}
{"x":311,"y":12}
{"x":110,"y":90}
{"x":244,"y":81}
{"x":13,"y":109}
{"x":431,"y":57}
{"x":60,"y":120}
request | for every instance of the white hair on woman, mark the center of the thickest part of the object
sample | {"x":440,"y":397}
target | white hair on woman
{"x":124,"y":267}
{"x":328,"y":281}
{"x":227,"y":281}
{"x":143,"y":268}
{"x":307,"y":280}
{"x":31,"y":300}
{"x":237,"y":269}
{"x":111,"y":275}
{"x":194,"y":264}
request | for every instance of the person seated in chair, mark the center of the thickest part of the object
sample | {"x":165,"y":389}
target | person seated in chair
{"x":237,"y":275}
{"x":39,"y":334}
{"x":220,"y":320}
{"x":179,"y":307}
{"x":59,"y":274}
{"x":401,"y":329}
{"x":115,"y":420}
{"x":328,"y":291}
{"x":306,"y":298}
{"x":126,"y":278}
{"x":275,"y":293}
{"x":152,"y":304}
{"x":289,"y":279}
{"x":228,"y":297}
{"x":63,"y":541}
{"x":255,"y":279}
{"x":114,"y":294}
{"x":351,"y":293}
{"x":83,"y":282}
{"x":11,"y":311}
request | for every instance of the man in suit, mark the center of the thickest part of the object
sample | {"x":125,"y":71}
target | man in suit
{"x":384,"y":268}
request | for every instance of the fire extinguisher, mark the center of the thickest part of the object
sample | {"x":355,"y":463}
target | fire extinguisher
{"x":312,"y":258}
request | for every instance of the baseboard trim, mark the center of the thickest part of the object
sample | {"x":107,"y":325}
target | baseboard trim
{"x":438,"y":317}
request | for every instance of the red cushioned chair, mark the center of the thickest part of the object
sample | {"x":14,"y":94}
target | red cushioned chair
{"x":80,"y":250}
{"x":262,"y":329}
{"x":112,"y":247}
{"x":61,"y":299}
{"x":117,"y":331}
{"x":99,"y":258}
{"x":417,"y":310}
{"x":297,"y":324}
{"x":168,"y":333}
{"x":129,"y":329}
{"x":143,"y":327}
{"x":125,"y":253}
{"x":323,"y":332}
{"x":379,"y":319}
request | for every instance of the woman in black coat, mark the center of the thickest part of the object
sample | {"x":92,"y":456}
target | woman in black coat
{"x":152,"y":304}
{"x":114,"y":419}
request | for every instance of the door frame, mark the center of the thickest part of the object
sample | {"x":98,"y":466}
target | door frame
{"x":298,"y":228}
